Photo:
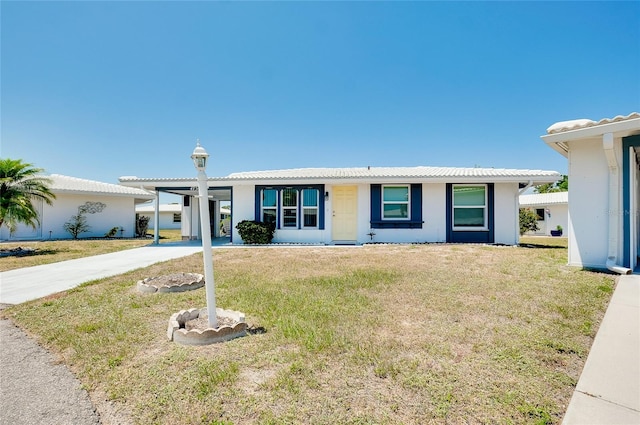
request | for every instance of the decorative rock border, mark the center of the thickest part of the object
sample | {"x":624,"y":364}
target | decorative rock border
{"x":176,"y":330}
{"x":177,"y":282}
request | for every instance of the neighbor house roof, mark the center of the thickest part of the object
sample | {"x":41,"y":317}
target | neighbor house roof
{"x":66,"y":184}
{"x":552,"y":198}
{"x":560,"y":133}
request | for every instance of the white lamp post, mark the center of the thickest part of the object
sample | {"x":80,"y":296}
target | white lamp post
{"x":199,"y":157}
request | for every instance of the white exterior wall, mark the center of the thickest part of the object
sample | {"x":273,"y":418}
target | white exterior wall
{"x":166,"y":220}
{"x":506,"y":208}
{"x":244,"y":198}
{"x":119,"y":212}
{"x":588,"y":219}
{"x":558,"y":215}
{"x":433,"y":215}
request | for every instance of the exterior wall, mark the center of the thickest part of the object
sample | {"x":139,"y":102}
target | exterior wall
{"x":558,"y":215}
{"x":166,"y":220}
{"x":433,"y":215}
{"x":506,"y":223}
{"x":588,"y":220}
{"x":119,"y":212}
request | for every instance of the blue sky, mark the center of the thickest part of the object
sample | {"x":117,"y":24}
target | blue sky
{"x":99,"y":90}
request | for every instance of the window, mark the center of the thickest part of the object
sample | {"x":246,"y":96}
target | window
{"x":177,"y":217}
{"x":540,"y":214}
{"x":395,"y":202}
{"x":291,"y":207}
{"x":269,"y":206}
{"x":470,"y":207}
{"x":310,"y":207}
{"x":396,"y":206}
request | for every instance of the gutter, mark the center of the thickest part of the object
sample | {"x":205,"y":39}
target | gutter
{"x":614,"y":205}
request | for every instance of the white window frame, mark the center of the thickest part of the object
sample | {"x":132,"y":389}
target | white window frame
{"x":485,"y":207}
{"x":274,"y":208}
{"x":383,"y":203}
{"x":294,"y":208}
{"x":303,"y":208}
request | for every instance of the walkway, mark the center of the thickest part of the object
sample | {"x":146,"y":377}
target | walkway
{"x":18,"y":286}
{"x":608,"y":391}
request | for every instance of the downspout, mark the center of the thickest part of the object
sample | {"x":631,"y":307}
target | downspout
{"x":614,"y":205}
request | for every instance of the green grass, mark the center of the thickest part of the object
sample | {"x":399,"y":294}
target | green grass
{"x":372,"y":335}
{"x":47,"y":252}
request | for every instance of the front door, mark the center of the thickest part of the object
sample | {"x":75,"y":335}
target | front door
{"x":345,"y":214}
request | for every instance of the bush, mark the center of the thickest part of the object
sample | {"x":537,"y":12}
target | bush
{"x":528,"y":221}
{"x":142,"y":225}
{"x":256,"y":232}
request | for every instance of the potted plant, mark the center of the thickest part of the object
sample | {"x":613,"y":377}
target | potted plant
{"x":557,"y":232}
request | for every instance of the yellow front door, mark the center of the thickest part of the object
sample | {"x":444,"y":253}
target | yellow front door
{"x":345,"y":213}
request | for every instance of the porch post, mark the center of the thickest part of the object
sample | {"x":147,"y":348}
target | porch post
{"x":156,"y":219}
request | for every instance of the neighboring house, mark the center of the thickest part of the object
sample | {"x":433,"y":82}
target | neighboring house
{"x":552,"y":210}
{"x":116,"y":202}
{"x":359,"y":205}
{"x":604,"y":184}
{"x":170,"y":215}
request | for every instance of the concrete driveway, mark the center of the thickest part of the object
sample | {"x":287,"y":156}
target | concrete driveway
{"x":30,"y":283}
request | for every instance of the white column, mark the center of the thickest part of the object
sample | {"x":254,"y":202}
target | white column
{"x":207,"y":254}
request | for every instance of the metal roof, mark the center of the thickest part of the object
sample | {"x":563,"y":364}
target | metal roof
{"x":390,"y":172}
{"x":544,"y":199}
{"x":60,"y":183}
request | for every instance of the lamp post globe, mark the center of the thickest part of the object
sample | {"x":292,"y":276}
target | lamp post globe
{"x":199,"y":157}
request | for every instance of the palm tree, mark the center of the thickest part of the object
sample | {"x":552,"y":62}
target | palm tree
{"x":20,"y":184}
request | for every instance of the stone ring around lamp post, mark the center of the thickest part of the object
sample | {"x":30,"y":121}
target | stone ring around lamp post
{"x":176,"y":282}
{"x":190,"y":327}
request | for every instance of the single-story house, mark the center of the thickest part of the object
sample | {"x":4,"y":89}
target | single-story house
{"x":170,"y":215}
{"x":604,"y":188}
{"x":107,"y":205}
{"x":552,"y":210}
{"x":359,"y":205}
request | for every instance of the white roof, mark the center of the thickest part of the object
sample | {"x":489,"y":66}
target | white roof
{"x":562,"y":126}
{"x":390,"y":172}
{"x":66,"y":184}
{"x":544,"y":199}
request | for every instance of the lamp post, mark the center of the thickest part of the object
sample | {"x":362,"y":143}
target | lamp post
{"x":199,"y":157}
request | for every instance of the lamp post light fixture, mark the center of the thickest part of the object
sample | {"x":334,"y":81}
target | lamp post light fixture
{"x":200,"y":157}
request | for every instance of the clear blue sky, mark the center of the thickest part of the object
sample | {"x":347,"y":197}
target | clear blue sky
{"x":99,"y":90}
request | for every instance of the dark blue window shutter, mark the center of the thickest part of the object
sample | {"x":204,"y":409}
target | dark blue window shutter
{"x":416,"y":203}
{"x":376,"y":202}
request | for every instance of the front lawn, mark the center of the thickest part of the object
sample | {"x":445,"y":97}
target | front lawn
{"x":380,"y":334}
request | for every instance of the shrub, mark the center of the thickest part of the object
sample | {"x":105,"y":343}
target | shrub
{"x":142,"y":225}
{"x":256,"y":232}
{"x":77,"y":224}
{"x":528,"y":221}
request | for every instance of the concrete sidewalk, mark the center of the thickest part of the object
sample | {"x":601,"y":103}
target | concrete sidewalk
{"x":18,"y":286}
{"x":608,"y":391}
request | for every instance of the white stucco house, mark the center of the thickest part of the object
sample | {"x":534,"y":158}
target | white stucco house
{"x":359,"y":205}
{"x":552,"y":210}
{"x":113,"y":206}
{"x":604,"y":189}
{"x":170,"y":215}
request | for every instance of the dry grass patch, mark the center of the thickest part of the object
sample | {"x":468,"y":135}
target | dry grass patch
{"x":381,"y":334}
